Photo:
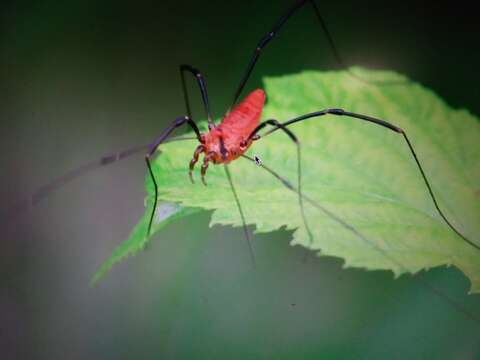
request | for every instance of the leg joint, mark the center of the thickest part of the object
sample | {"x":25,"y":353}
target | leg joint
{"x":336,"y":111}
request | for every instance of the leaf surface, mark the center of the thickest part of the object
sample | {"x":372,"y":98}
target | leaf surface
{"x":358,"y":172}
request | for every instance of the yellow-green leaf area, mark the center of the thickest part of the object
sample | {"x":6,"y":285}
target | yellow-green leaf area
{"x":362,"y":173}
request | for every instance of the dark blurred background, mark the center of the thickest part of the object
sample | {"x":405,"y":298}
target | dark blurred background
{"x":79,"y":79}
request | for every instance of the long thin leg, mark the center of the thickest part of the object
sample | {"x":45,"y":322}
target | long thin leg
{"x":237,"y":201}
{"x":338,"y":57}
{"x":292,"y":136}
{"x":274,"y":31}
{"x":203,"y":90}
{"x":29,"y":202}
{"x":461,"y":309}
{"x":161,"y":139}
{"x":340,"y":112}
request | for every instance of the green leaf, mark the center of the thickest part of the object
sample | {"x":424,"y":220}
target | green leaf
{"x":361,"y":173}
{"x":166,"y":213}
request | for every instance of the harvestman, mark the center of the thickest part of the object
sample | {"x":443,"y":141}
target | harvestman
{"x":239,"y":128}
{"x":237,"y":131}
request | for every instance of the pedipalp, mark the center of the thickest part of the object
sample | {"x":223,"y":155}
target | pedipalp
{"x":206,"y":160}
{"x":200,"y":149}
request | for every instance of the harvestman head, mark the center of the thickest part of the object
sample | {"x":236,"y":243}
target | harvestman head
{"x":239,"y":129}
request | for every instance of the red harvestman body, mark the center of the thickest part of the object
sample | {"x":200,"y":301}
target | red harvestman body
{"x":231,"y":138}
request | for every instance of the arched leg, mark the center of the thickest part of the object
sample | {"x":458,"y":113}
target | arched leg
{"x":203,"y":91}
{"x":289,"y":133}
{"x":178,"y":122}
{"x":265,"y":40}
{"x":341,"y":112}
